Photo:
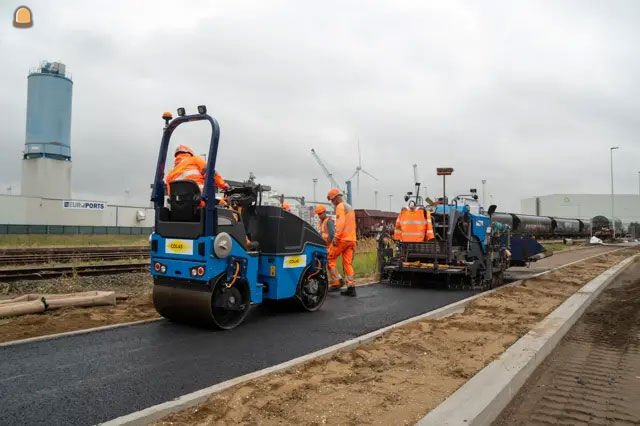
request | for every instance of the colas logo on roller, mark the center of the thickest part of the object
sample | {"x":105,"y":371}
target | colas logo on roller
{"x":178,"y":246}
{"x":294,"y":261}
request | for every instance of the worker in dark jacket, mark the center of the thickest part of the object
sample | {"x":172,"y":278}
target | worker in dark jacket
{"x":327,"y":225}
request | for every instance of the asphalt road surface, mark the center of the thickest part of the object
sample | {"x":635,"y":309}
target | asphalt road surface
{"x":94,"y":377}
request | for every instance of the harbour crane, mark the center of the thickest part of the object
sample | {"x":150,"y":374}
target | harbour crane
{"x":329,"y":176}
{"x":326,"y":171}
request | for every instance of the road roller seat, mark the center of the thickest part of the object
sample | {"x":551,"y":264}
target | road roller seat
{"x":278,"y":231}
{"x":184,"y":201}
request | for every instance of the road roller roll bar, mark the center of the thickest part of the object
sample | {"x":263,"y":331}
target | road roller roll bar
{"x":209,"y":192}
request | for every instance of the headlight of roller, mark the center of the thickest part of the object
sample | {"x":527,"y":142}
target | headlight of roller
{"x":222,"y":245}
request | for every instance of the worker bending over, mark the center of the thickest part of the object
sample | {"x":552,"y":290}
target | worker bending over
{"x":327,"y":225}
{"x":188,"y":166}
{"x":343,"y":243}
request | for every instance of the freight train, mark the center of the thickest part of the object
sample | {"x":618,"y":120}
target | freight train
{"x":543,"y":226}
{"x":369,"y":222}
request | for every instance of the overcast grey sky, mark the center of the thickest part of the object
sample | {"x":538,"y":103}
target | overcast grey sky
{"x":528,"y":95}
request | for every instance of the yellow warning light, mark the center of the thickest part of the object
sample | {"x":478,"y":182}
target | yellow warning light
{"x":166,"y":115}
{"x":22,"y":17}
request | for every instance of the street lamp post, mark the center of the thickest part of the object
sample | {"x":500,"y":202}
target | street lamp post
{"x":315,"y":183}
{"x":375,"y":199}
{"x":613,"y":220}
{"x":484,"y":200}
{"x":390,"y":197}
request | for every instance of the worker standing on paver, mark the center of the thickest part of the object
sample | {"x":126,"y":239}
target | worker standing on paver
{"x":413,"y":225}
{"x":188,"y":166}
{"x":343,"y":243}
{"x":327,"y":225}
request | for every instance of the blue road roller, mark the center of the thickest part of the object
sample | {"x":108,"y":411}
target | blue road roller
{"x":210,"y":262}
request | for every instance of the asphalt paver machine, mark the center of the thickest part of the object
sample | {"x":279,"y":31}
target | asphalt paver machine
{"x":470,"y":250}
{"x":211,"y":262}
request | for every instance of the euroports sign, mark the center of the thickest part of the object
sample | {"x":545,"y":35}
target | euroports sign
{"x":83,"y":205}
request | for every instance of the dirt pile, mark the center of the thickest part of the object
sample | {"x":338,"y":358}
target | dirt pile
{"x":400,"y":376}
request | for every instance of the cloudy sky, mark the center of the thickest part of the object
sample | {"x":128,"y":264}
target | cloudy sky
{"x":527,"y":95}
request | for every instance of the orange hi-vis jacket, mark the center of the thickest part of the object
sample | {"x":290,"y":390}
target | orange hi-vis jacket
{"x":327,"y":230}
{"x":191,"y":167}
{"x":397,"y":231}
{"x":413,"y":224}
{"x":345,"y":222}
{"x":430,"y":235}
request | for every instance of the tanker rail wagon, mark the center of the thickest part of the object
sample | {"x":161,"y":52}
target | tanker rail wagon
{"x":543,"y":226}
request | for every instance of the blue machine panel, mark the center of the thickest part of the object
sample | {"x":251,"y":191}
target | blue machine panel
{"x":480,"y":224}
{"x":285,"y":271}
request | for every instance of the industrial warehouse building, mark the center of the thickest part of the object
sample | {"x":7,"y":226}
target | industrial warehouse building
{"x":41,"y":215}
{"x":584,"y":206}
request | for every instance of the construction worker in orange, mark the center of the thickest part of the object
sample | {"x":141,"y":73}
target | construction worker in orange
{"x":413,"y":224}
{"x":343,"y":243}
{"x":327,"y":226}
{"x":188,"y":166}
{"x":430,"y":235}
{"x":286,"y":206}
{"x":397,"y":232}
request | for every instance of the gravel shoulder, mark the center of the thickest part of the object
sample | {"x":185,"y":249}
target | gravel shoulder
{"x":402,"y":375}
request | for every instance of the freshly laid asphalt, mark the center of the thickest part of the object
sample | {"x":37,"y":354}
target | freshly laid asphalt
{"x":94,"y":377}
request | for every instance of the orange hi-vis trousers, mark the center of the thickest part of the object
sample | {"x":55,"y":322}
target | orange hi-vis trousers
{"x":346,"y":249}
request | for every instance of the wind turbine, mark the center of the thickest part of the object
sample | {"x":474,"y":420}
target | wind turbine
{"x":359,"y":169}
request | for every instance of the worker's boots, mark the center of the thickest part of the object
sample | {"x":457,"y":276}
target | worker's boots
{"x":349,"y":291}
{"x":336,"y":287}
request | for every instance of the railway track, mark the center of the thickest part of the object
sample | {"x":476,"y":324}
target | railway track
{"x":27,"y":256}
{"x":45,"y":272}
